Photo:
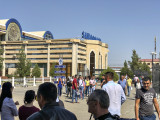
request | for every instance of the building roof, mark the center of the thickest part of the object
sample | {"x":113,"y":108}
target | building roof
{"x":6,"y":22}
{"x":36,"y":34}
{"x":41,"y":33}
{"x":3,"y":22}
{"x":149,"y":60}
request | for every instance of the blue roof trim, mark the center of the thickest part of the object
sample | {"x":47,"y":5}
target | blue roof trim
{"x":29,"y":38}
{"x":15,"y":21}
{"x":48,"y":32}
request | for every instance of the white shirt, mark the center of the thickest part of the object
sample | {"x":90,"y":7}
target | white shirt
{"x":80,"y":82}
{"x":135,"y":79}
{"x":71,"y":80}
{"x":9,"y":109}
{"x":116,"y":96}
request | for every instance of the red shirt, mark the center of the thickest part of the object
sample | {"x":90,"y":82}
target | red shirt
{"x":25,"y":112}
{"x":74,"y":82}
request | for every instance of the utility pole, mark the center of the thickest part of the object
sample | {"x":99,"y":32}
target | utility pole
{"x":155,"y":46}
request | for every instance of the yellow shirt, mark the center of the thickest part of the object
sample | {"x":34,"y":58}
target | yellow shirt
{"x":87,"y":82}
{"x":129,"y":82}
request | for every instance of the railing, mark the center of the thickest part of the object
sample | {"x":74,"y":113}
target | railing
{"x":25,"y":82}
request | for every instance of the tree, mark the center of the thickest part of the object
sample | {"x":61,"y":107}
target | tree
{"x":110,"y":70}
{"x":137,"y":67}
{"x":125,"y":70}
{"x":52,"y":70}
{"x":23,"y":65}
{"x":36,"y":71}
{"x":134,"y":65}
{"x":145,"y":70}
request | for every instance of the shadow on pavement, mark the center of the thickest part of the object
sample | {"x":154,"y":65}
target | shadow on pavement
{"x":68,"y":101}
{"x":127,"y":119}
{"x":131,"y":98}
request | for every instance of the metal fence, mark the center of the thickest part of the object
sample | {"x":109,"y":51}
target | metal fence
{"x":25,"y":82}
{"x":156,"y":78}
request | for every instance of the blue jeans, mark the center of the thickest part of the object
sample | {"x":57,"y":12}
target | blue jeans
{"x":74,"y":95}
{"x":92,"y":89}
{"x":81,"y":92}
{"x":59,"y":91}
{"x":66,"y":89}
{"x":87,"y":90}
{"x":129,"y":90}
{"x":151,"y":117}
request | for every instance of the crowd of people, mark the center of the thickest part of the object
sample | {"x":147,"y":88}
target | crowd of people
{"x":103,"y":104}
{"x":77,"y":87}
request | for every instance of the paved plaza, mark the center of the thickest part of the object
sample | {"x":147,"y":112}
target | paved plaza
{"x":79,"y":109}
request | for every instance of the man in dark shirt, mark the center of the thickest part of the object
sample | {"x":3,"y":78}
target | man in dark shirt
{"x":69,"y":85}
{"x":145,"y":98}
{"x":103,"y":81}
{"x":98,"y":103}
{"x":50,"y":109}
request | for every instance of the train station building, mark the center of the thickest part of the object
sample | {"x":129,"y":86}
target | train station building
{"x":80,"y":56}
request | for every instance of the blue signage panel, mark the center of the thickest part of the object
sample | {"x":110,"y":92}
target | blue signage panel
{"x":61,"y":71}
{"x":60,"y":61}
{"x":60,"y":66}
{"x":86,"y":35}
{"x":59,"y":77}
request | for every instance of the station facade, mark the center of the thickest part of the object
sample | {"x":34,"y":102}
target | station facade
{"x":80,"y":56}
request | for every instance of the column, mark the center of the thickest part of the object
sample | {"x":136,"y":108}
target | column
{"x":74,"y":58}
{"x":48,"y":60}
{"x":4,"y":66}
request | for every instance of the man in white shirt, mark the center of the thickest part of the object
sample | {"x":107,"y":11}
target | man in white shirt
{"x":116,"y":94}
{"x":81,"y":90}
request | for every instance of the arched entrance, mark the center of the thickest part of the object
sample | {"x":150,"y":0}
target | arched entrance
{"x":92,"y":63}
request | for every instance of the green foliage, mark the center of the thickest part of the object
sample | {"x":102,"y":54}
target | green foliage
{"x":145,"y":67}
{"x":109,"y":70}
{"x":23,"y":65}
{"x":126,"y":71}
{"x":52,"y":70}
{"x":10,"y":75}
{"x":134,"y":65}
{"x":137,"y":67}
{"x":36,"y":71}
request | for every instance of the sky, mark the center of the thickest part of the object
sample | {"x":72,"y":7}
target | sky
{"x":124,"y":25}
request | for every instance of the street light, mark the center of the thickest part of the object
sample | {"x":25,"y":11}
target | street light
{"x":93,"y":71}
{"x":152,"y":53}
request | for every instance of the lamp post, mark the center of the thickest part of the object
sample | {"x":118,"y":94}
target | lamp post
{"x":152,"y":53}
{"x":93,"y":72}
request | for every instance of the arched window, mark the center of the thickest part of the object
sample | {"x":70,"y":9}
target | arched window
{"x":92,"y":63}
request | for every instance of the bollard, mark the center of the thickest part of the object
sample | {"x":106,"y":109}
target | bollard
{"x":24,"y":81}
{"x":50,"y":79}
{"x":43,"y":79}
{"x":34,"y":81}
{"x":13,"y":82}
{"x":0,"y":83}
